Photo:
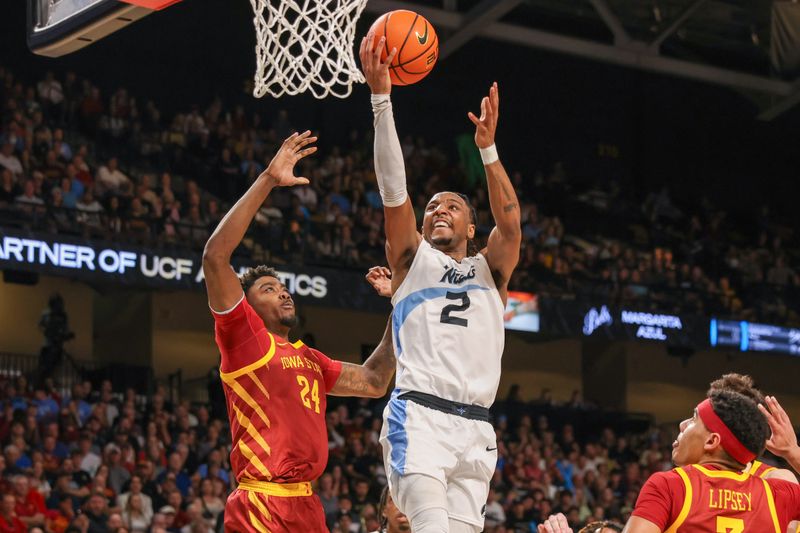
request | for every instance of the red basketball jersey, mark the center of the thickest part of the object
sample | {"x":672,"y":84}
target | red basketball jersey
{"x":703,"y":499}
{"x":759,"y":469}
{"x":276,"y":396}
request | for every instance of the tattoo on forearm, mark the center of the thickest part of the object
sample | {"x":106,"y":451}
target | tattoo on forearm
{"x":351,"y":381}
{"x":509,"y":207}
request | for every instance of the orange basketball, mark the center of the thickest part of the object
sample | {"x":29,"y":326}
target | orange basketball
{"x":416,"y":42}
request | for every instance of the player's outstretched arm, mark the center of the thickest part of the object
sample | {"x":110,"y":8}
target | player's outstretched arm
{"x":783,"y":441}
{"x":402,"y":238}
{"x":502,"y":251}
{"x":370,"y":380}
{"x":224,"y":290}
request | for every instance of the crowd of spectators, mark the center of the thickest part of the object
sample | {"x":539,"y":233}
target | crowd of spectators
{"x":106,"y":461}
{"x":74,"y":160}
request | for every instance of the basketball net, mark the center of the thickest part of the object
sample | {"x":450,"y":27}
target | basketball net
{"x":306,"y":45}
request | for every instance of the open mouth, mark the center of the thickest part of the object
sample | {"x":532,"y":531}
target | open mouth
{"x":441,"y":224}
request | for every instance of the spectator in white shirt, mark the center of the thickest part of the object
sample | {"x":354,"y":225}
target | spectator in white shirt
{"x":90,"y":209}
{"x":28,"y":199}
{"x":89,"y":461}
{"x":9,"y":160}
{"x":112,"y":180}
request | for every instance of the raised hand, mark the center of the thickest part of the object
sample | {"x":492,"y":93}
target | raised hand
{"x":783,"y":441}
{"x":381,"y":280}
{"x":556,"y":523}
{"x":281,"y":169}
{"x":376,"y":71}
{"x":486,"y":125}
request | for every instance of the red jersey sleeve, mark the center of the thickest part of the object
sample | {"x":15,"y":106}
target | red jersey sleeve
{"x":658,"y":498}
{"x":237,"y":335}
{"x":330,"y":369}
{"x":787,"y":499}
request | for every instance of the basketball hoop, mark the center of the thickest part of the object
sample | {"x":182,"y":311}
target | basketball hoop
{"x":306,"y":45}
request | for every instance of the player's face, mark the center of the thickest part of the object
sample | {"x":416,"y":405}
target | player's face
{"x":397,"y":520}
{"x":689,"y":447}
{"x":446,"y":223}
{"x":273,"y":303}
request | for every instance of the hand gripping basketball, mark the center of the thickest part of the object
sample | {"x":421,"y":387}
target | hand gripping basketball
{"x":376,"y":71}
{"x":281,"y":169}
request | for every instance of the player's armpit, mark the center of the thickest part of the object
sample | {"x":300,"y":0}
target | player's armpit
{"x":638,"y":524}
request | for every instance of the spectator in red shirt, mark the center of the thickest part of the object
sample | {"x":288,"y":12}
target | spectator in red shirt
{"x":9,"y":523}
{"x":29,"y":505}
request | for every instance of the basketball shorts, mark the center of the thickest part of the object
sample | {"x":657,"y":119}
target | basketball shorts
{"x":254,"y":512}
{"x":459,"y":452}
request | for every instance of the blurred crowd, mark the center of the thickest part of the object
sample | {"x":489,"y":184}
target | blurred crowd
{"x":101,"y":460}
{"x":74,"y":160}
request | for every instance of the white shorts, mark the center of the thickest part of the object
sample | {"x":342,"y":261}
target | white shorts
{"x":459,"y":452}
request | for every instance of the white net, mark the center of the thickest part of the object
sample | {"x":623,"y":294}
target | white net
{"x":306,"y":45}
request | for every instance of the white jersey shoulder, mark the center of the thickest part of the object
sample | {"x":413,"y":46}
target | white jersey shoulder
{"x":448,"y":328}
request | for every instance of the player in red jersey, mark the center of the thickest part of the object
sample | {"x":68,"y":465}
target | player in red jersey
{"x":709,"y":492}
{"x":275,"y":389}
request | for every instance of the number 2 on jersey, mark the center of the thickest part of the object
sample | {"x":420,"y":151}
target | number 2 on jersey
{"x":455,"y":320}
{"x":729,"y":525}
{"x":303,"y":382}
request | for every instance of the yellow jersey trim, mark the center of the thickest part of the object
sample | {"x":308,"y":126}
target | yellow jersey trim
{"x":256,"y":523}
{"x":230,"y":376}
{"x":687,"y":502}
{"x":771,"y":502}
{"x":287,"y":490}
{"x":254,"y":460}
{"x":736,"y":476}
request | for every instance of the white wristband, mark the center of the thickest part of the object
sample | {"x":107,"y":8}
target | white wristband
{"x":489,"y":155}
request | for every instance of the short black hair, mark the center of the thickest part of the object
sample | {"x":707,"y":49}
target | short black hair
{"x":252,"y":274}
{"x":740,"y":413}
{"x":472,"y":248}
{"x":597,"y":527}
{"x":473,"y":214}
{"x":381,"y":506}
{"x":741,"y":383}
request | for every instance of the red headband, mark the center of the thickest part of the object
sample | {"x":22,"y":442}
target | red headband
{"x":730,"y":443}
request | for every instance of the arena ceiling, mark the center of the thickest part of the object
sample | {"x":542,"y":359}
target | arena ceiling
{"x":725,"y":42}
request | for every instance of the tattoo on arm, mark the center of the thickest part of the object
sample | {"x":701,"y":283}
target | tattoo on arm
{"x":351,"y":381}
{"x":510,"y":207}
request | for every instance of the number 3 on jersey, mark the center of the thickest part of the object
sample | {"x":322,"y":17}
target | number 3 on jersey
{"x":446,"y":318}
{"x":729,"y":525}
{"x":303,"y":382}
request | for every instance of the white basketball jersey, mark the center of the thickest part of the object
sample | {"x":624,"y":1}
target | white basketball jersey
{"x":448,"y":328}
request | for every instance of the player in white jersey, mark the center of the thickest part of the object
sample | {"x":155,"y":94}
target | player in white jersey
{"x":439,"y":448}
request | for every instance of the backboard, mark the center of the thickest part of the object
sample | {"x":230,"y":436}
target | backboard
{"x":59,"y":27}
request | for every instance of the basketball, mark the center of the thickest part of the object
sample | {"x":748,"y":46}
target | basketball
{"x":416,"y":42}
